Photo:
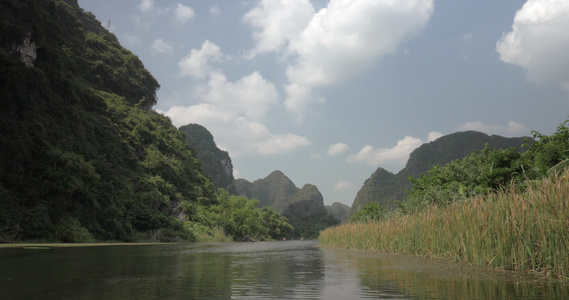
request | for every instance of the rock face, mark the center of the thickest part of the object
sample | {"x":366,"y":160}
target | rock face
{"x":276,"y":190}
{"x":215,"y":162}
{"x":28,"y":51}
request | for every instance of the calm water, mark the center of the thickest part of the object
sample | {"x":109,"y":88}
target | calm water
{"x":263,"y":270}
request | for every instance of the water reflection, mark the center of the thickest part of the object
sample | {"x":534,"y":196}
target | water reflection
{"x":267,"y":270}
{"x":420,"y":278}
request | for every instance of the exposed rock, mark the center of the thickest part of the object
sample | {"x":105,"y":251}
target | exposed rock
{"x":28,"y":51}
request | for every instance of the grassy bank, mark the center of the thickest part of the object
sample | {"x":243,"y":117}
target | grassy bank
{"x":514,"y":230}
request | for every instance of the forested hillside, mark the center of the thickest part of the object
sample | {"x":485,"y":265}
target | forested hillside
{"x":387,"y":188}
{"x":82,"y":156}
{"x":304,"y":208}
{"x":338,"y":210}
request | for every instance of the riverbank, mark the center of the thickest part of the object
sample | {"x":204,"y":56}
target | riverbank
{"x":514,"y":230}
{"x":69,"y":245}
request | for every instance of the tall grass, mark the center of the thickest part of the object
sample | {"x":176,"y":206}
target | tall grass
{"x":512,"y":229}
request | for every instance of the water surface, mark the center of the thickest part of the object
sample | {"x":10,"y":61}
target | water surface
{"x":262,"y":270}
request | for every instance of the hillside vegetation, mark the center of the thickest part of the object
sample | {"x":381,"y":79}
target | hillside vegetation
{"x":82,"y":155}
{"x":388,"y":188}
{"x":498,"y":208}
{"x":216,"y":163}
{"x":304,"y":208}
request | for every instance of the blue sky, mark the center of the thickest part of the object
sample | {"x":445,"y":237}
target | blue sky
{"x":328,"y":91}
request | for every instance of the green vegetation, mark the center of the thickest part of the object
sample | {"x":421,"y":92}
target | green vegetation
{"x":338,"y":210}
{"x":304,"y":208}
{"x":513,"y":229}
{"x":216,"y":163}
{"x":494,"y":208}
{"x":372,"y":211}
{"x":388,"y":188}
{"x":82,"y":156}
{"x":237,"y":217}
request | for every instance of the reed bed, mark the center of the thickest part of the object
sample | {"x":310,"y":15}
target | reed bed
{"x":513,"y":229}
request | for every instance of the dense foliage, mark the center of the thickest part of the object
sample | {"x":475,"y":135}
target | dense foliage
{"x":304,"y":208}
{"x":238,"y":217}
{"x":388,"y":188}
{"x":489,"y":170}
{"x":82,"y":156}
{"x":494,"y":207}
{"x":372,"y":211}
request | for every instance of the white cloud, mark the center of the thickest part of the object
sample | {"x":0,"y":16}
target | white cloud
{"x":343,"y":185}
{"x":282,"y":143}
{"x":250,"y":96}
{"x":337,"y":149}
{"x":298,"y":98}
{"x":236,"y":134}
{"x":232,"y":111}
{"x":197,"y":63}
{"x":146,"y":5}
{"x":538,"y":42}
{"x":511,"y":129}
{"x":183,"y":14}
{"x":337,"y":42}
{"x":277,"y":22}
{"x":397,"y":155}
{"x":346,"y":37}
{"x":159,"y":46}
{"x":434,"y":136}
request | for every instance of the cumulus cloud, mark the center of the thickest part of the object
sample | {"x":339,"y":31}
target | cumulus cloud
{"x":197,"y":62}
{"x":333,"y":44}
{"x":343,"y":185}
{"x":182,"y":14}
{"x":434,"y":136}
{"x":159,"y":46}
{"x":232,"y":111}
{"x":234,"y":133}
{"x":277,"y":22}
{"x":298,"y":98}
{"x":538,"y":42}
{"x":347,"y":36}
{"x":336,"y":149}
{"x":146,"y":5}
{"x":251,"y":96}
{"x":398,"y":154}
{"x":281,"y":143}
{"x":510,"y":129}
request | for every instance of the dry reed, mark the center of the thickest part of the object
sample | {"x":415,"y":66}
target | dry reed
{"x":513,"y":229}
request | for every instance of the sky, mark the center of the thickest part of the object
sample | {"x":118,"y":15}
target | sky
{"x":327,"y":91}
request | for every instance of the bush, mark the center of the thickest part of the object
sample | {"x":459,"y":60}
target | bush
{"x":69,"y":230}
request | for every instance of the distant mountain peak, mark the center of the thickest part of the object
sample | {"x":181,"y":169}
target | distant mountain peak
{"x":385,"y":187}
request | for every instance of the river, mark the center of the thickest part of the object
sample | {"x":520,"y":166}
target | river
{"x":262,"y":270}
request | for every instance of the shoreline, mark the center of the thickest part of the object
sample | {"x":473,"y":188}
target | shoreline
{"x":25,"y":245}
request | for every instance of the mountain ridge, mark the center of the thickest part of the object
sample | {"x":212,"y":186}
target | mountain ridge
{"x":387,"y":188}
